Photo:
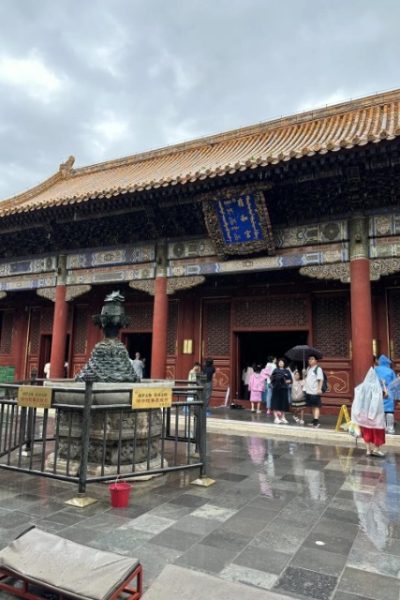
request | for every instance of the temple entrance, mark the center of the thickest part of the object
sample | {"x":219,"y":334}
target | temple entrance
{"x":255,"y":347}
{"x":44,"y":353}
{"x":139,"y":342}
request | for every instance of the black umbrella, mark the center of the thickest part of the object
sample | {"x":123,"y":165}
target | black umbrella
{"x":301,"y":353}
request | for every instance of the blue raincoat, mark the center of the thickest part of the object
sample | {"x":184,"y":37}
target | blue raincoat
{"x":386,"y":376}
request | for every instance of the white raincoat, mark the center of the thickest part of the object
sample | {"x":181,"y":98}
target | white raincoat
{"x":367,"y":409}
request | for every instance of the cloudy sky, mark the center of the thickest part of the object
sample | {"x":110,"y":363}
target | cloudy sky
{"x":101,"y":79}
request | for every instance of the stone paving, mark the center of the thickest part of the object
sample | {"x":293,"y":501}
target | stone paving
{"x":308,"y":521}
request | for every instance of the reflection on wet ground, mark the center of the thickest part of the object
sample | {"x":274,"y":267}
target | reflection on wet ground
{"x":310,"y":521}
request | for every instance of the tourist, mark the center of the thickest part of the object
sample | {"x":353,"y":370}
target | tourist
{"x":192,"y":376}
{"x":269,"y":369}
{"x":313,"y":389}
{"x":138,"y":365}
{"x":291,"y":368}
{"x":367,"y":411}
{"x":280,"y":380}
{"x":298,"y":400}
{"x":46,"y":370}
{"x":194,"y":372}
{"x":394,"y":388}
{"x":208,"y":371}
{"x":387,"y":376}
{"x":256,"y":388}
{"x":144,"y":367}
{"x":246,"y":374}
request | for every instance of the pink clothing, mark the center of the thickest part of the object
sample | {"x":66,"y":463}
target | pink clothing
{"x":256,"y":386}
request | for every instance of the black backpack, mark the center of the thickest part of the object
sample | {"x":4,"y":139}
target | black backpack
{"x":278,"y":379}
{"x":324,"y":387}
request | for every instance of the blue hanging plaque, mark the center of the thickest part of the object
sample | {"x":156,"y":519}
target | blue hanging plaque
{"x":238,"y":221}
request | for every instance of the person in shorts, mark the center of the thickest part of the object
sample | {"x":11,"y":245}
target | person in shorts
{"x":313,"y":389}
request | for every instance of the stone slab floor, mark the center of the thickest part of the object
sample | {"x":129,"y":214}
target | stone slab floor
{"x":307,"y":521}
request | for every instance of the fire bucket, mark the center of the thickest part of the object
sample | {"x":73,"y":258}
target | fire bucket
{"x":119,"y":491}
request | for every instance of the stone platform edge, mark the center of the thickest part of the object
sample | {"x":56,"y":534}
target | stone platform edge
{"x":306,"y":434}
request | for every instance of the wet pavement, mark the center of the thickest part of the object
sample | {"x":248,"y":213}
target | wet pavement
{"x":308,"y":521}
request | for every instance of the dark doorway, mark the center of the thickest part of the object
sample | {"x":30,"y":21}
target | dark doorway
{"x":44,"y":353}
{"x":139,"y":342}
{"x":256,"y":346}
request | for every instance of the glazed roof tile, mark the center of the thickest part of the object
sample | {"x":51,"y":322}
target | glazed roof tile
{"x":330,"y":129}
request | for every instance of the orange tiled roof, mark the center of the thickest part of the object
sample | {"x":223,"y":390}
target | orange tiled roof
{"x":345,"y":125}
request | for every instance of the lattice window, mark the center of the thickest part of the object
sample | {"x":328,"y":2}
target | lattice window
{"x":271,"y":312}
{"x":80,"y":329}
{"x":141,"y":316}
{"x":217,"y":329}
{"x":172,"y":327}
{"x":331,"y":326}
{"x":6,"y":332}
{"x":394,"y":317}
{"x":47,"y":319}
{"x":34,"y":335}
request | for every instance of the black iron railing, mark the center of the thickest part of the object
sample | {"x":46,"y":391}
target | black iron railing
{"x":93,"y":440}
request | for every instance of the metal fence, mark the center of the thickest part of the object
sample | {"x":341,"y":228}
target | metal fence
{"x":93,"y":440}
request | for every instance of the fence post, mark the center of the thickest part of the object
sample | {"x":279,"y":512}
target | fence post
{"x":82,"y":500}
{"x":201,"y":436}
{"x":31,"y":419}
{"x":85,"y":433}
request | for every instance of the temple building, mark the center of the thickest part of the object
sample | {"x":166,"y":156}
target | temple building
{"x":235,"y":246}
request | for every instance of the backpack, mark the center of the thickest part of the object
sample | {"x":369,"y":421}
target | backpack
{"x":324,"y":387}
{"x":278,"y":379}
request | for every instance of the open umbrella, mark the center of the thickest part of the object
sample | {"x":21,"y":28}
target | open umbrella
{"x":302,"y":352}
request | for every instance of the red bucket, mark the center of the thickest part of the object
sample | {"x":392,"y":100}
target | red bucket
{"x":120,"y":491}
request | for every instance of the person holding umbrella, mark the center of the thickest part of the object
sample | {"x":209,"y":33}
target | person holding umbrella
{"x":314,"y":377}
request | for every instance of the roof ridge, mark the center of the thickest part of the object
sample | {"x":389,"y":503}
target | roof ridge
{"x":247,"y":130}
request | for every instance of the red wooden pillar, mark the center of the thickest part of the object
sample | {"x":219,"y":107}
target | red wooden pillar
{"x":160,"y":326}
{"x":59,"y":334}
{"x":361,"y":303}
{"x":160,"y":314}
{"x":60,"y":321}
{"x":361,"y":318}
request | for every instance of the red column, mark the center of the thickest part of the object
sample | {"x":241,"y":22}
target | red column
{"x":361,"y":317}
{"x":160,"y":324}
{"x":59,"y":336}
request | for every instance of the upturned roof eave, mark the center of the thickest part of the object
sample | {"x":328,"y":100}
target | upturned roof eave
{"x":21,"y":203}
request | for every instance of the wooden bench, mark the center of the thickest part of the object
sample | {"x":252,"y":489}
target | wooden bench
{"x":42,"y":561}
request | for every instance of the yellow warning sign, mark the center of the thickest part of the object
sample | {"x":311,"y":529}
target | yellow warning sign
{"x":151,"y":397}
{"x":33,"y":396}
{"x":343,"y":414}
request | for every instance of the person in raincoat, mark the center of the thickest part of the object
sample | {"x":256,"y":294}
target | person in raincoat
{"x":368,"y":412}
{"x":256,"y":387}
{"x":386,"y":377}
